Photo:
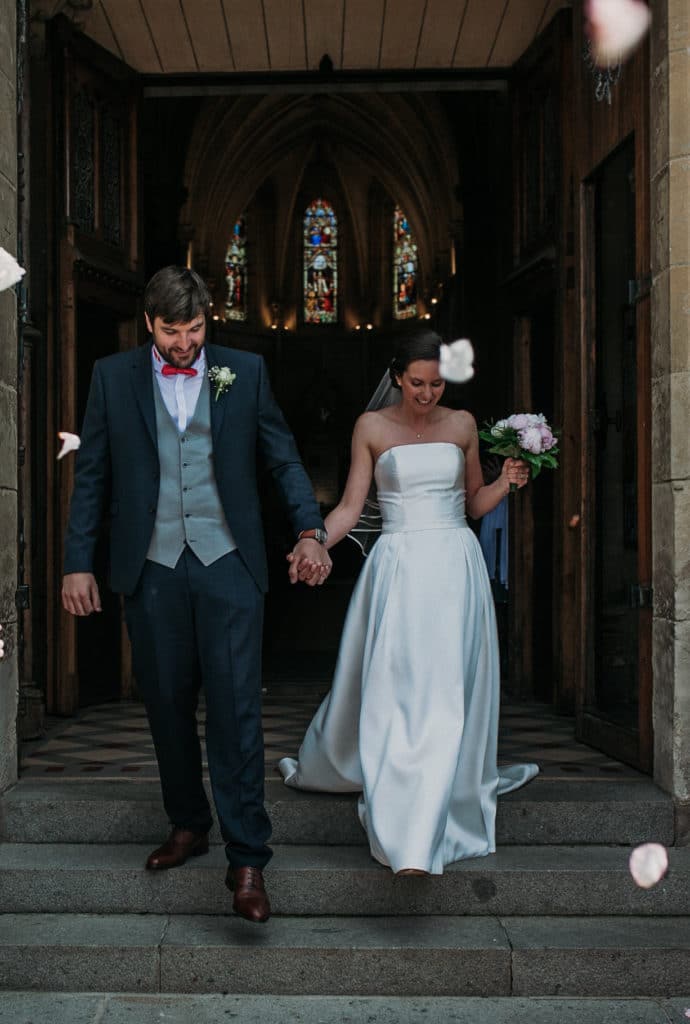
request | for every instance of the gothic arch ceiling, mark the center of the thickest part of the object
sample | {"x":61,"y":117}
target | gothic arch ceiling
{"x":402,"y":141}
{"x":178,"y":36}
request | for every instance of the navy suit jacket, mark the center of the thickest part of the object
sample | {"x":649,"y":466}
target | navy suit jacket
{"x":119,"y":457}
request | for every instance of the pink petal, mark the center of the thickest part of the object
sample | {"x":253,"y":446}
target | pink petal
{"x":70,"y":442}
{"x":648,"y":864}
{"x":615,"y":28}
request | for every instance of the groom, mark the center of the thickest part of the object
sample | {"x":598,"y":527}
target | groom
{"x":172,"y":438}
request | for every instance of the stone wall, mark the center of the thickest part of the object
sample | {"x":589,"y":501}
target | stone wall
{"x":670,"y":212}
{"x":8,"y":397}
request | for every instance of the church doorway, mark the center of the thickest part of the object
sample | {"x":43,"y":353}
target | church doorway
{"x":328,"y":212}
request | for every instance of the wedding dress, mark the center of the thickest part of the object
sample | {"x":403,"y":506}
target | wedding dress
{"x":411,"y":720}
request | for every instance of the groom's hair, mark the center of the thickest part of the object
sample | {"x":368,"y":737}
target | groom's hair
{"x":176,"y":295}
{"x":420,"y":343}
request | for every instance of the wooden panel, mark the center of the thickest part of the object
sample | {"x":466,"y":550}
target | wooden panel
{"x":440,"y":33}
{"x":286,"y":41}
{"x":247,"y":35}
{"x":601,"y":128}
{"x":551,"y":10}
{"x":324,"y":30}
{"x":209,"y":35}
{"x":401,"y":33}
{"x":521,"y":535}
{"x":132,"y":35}
{"x":479,"y":28}
{"x":169,"y":29}
{"x":97,"y":27}
{"x":518,"y":29}
{"x":361,"y":49}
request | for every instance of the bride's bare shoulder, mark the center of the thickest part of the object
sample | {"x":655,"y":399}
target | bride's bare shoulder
{"x":377,"y":419}
{"x":370,"y":425}
{"x":462,"y":421}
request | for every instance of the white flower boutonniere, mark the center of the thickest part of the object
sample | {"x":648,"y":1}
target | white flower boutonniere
{"x":222,"y":378}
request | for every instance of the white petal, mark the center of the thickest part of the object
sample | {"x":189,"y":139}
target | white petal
{"x":70,"y":442}
{"x":648,"y":864}
{"x":10,"y":271}
{"x":456,"y":361}
{"x":615,"y":28}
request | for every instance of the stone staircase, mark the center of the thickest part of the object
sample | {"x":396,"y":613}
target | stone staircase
{"x":552,"y":920}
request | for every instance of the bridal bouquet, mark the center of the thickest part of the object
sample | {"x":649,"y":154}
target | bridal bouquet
{"x":526,"y":436}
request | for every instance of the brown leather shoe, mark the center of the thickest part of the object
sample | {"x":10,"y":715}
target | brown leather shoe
{"x":180,"y":844}
{"x":251,"y":901}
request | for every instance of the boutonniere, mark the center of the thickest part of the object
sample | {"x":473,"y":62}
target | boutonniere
{"x":222,"y":378}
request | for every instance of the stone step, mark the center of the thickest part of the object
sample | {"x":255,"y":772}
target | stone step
{"x":547,"y":812}
{"x":313,"y":881}
{"x":111,"y":1008}
{"x":400,"y":956}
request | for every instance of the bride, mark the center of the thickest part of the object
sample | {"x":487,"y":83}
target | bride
{"x":411,"y":720}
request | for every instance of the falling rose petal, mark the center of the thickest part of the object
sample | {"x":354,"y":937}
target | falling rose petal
{"x":456,"y":361}
{"x":70,"y":442}
{"x":10,"y":271}
{"x":615,"y":28}
{"x":648,"y":864}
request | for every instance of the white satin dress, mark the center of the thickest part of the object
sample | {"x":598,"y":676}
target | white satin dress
{"x":411,"y":720}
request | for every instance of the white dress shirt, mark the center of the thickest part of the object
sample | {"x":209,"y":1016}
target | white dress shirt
{"x":179,"y":392}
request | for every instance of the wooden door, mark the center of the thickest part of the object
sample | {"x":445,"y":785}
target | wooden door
{"x":614,"y":710}
{"x":97,"y":299}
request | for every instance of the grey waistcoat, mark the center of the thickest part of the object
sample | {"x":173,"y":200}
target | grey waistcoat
{"x":189,"y":509}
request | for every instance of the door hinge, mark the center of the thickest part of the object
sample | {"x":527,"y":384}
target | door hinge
{"x":22,"y":598}
{"x":639,"y":288}
{"x":641,"y":595}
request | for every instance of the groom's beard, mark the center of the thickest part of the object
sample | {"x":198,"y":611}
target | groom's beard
{"x":178,"y":359}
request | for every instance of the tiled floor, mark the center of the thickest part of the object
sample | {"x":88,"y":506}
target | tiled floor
{"x":112,"y":741}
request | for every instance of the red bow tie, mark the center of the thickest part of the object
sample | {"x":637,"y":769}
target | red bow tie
{"x":170,"y":371}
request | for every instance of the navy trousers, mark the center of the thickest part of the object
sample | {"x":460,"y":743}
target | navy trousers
{"x":194,"y":626}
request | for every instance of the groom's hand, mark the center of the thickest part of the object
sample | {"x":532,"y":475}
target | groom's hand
{"x":80,"y":594}
{"x":310,"y":563}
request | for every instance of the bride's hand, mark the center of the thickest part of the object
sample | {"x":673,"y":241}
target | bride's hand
{"x":515,"y":471}
{"x":309,"y":562}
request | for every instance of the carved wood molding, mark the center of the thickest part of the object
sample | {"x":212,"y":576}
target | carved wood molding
{"x":75,"y":10}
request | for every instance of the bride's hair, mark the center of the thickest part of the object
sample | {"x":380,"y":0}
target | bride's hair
{"x":421,"y":343}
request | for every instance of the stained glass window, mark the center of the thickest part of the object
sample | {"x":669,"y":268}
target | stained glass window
{"x":236,"y":273}
{"x":320,"y":263}
{"x":405,"y":264}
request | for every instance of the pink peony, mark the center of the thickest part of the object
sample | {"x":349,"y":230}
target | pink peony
{"x":530,"y":440}
{"x":518,"y":421}
{"x":615,"y":28}
{"x":547,"y":439}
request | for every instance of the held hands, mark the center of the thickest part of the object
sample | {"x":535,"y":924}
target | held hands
{"x":515,"y":471}
{"x":310,"y":563}
{"x":80,"y":594}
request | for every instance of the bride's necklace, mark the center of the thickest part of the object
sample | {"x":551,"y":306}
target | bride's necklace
{"x":419,"y":434}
